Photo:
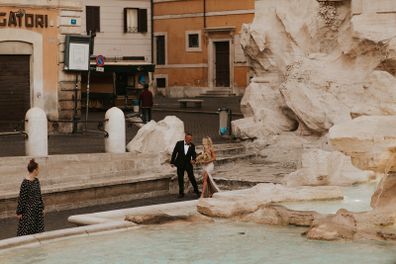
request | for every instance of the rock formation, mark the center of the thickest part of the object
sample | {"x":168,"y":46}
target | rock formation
{"x":317,"y":63}
{"x":158,"y":136}
{"x":325,"y":69}
{"x":371,"y":142}
{"x":245,"y":202}
{"x":319,"y":167}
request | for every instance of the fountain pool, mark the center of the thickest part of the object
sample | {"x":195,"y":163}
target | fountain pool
{"x":356,"y":199}
{"x":218,"y":242}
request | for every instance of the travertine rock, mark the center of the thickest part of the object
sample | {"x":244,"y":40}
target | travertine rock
{"x":369,"y":140}
{"x":262,"y":107}
{"x":243,"y":202}
{"x":320,"y":167}
{"x":384,"y":197}
{"x":349,"y":225}
{"x":158,"y":137}
{"x":329,"y":63}
{"x":271,"y":214}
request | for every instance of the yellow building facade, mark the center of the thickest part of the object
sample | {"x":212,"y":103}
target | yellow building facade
{"x":32,"y":35}
{"x":197,"y":46}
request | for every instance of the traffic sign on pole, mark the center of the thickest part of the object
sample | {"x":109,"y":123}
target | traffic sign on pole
{"x":100,"y":60}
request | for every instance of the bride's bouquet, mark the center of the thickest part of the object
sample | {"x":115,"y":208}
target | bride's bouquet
{"x":203,"y":158}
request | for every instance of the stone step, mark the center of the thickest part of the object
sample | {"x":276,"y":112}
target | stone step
{"x":228,"y":159}
{"x":218,"y":93}
{"x":233,"y":158}
{"x":230,"y":184}
{"x":225,"y":149}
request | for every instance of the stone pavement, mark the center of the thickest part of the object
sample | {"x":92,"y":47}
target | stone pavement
{"x":200,"y":122}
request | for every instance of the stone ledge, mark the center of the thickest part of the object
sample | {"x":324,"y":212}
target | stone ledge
{"x":63,"y":233}
{"x":78,"y":186}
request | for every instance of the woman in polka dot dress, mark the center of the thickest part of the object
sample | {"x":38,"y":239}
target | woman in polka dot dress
{"x":30,"y":203}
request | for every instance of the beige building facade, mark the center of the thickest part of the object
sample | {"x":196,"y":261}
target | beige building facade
{"x":122,"y":34}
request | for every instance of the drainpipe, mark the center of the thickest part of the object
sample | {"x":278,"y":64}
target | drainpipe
{"x":152,"y":30}
{"x":152,"y":36}
{"x":204,"y":13}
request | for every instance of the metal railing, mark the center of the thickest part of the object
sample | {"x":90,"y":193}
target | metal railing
{"x":100,"y":126}
{"x":14,"y":133}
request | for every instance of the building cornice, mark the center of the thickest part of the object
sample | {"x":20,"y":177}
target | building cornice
{"x":208,"y":14}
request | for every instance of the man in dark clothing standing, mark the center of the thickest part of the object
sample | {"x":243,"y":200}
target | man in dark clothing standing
{"x":183,"y":157}
{"x":146,"y":103}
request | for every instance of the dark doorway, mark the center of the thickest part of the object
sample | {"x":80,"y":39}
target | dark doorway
{"x":14,"y":91}
{"x":222,"y":62}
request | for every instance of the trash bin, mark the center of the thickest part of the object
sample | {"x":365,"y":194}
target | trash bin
{"x":135,"y":105}
{"x":225,"y":115}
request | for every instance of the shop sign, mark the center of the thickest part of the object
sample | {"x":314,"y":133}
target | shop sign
{"x":23,"y":19}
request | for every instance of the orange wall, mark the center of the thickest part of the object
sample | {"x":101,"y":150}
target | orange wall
{"x":198,"y":76}
{"x":192,"y":77}
{"x":178,"y":7}
{"x":240,"y":76}
{"x":229,"y":21}
{"x":176,"y":28}
{"x":194,"y":6}
{"x":226,"y":5}
{"x":176,"y":40}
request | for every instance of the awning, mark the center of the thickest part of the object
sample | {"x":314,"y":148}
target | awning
{"x":126,"y":67}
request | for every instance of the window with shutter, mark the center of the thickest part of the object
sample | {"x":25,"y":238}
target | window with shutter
{"x":135,"y":20}
{"x":92,"y":14}
{"x":142,"y":20}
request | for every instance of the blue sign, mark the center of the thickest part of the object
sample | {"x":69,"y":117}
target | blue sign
{"x":100,"y":60}
{"x":73,"y":21}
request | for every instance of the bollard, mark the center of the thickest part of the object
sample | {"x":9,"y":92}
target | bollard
{"x":225,"y":117}
{"x":115,"y":127}
{"x":36,"y":127}
{"x":135,"y":104}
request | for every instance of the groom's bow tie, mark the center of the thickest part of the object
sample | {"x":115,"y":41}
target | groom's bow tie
{"x":186,"y":144}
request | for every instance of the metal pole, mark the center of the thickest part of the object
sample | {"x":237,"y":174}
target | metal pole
{"x":75,"y":105}
{"x":87,"y":105}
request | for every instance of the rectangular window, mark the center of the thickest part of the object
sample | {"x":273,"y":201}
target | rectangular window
{"x":160,"y":50}
{"x":135,"y":20}
{"x":92,"y":14}
{"x":161,"y":82}
{"x":193,"y":41}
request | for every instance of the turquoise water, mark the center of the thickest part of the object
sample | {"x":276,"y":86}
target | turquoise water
{"x":219,"y":242}
{"x":356,"y":199}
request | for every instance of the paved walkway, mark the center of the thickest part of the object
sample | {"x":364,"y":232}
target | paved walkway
{"x":200,"y":122}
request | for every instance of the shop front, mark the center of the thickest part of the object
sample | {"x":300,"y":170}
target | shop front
{"x":116,"y":83}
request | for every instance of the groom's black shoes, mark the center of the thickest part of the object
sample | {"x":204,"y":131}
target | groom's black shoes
{"x":181,"y":195}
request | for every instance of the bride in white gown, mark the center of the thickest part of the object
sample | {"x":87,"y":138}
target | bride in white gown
{"x":206,"y":158}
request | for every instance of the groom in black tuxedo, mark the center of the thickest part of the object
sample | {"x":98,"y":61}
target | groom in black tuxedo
{"x":183,"y":157}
